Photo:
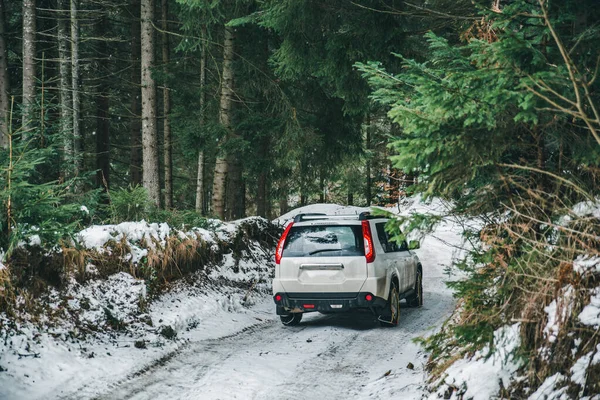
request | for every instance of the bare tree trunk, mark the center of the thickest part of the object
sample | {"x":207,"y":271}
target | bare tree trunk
{"x":135,"y":158}
{"x":394,"y":184}
{"x":322,"y":186}
{"x":4,"y":82}
{"x":29,"y":48}
{"x":261,"y":196}
{"x":200,"y":178}
{"x":200,"y":184}
{"x":102,"y":117}
{"x":236,"y":190}
{"x":222,"y":165}
{"x":368,"y":193}
{"x":77,"y":142}
{"x":168,"y":146}
{"x":66,"y":101}
{"x":150,"y":173}
{"x":283,"y":197}
{"x":268,"y":204}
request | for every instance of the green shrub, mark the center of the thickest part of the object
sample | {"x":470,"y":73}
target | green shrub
{"x":129,"y":204}
{"x":36,"y":208}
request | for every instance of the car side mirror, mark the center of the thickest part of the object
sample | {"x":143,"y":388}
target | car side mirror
{"x":414,"y":244}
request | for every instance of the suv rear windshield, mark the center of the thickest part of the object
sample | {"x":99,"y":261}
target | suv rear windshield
{"x":324,"y":241}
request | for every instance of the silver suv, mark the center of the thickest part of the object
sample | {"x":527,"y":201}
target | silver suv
{"x":340,"y":263}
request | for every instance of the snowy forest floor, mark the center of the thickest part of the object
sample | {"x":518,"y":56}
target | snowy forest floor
{"x":225,"y":342}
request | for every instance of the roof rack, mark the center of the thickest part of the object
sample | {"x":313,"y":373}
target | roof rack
{"x":320,"y":216}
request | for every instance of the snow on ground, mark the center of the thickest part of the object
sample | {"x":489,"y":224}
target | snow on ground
{"x":134,"y":233}
{"x":590,"y":315}
{"x":558,"y":311}
{"x":480,"y":377}
{"x":37,"y":366}
{"x":229,"y":343}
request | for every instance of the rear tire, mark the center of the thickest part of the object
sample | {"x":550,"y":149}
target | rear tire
{"x":416,"y":300}
{"x":391,"y":315}
{"x":291,"y":319}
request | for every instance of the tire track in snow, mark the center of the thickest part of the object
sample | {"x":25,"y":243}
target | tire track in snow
{"x":163,"y":362}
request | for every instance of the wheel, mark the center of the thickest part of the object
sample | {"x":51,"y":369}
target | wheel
{"x":291,"y":319}
{"x":416,"y":300}
{"x":391,"y":314}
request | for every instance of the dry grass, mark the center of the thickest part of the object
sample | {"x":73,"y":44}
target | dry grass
{"x":7,"y":295}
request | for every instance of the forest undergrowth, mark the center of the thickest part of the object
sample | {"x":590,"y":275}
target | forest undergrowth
{"x":537,"y":264}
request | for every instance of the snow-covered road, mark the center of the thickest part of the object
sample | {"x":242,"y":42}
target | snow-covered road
{"x":327,"y":356}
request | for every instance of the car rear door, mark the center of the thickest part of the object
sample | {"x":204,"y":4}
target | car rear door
{"x":322,"y":257}
{"x":397,"y":257}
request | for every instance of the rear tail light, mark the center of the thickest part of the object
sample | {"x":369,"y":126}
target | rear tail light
{"x":369,"y":297}
{"x":278,"y":298}
{"x":308,"y":306}
{"x":368,"y":239}
{"x":279,"y":250}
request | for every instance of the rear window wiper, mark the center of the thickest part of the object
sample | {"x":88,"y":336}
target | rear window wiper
{"x":322,"y":250}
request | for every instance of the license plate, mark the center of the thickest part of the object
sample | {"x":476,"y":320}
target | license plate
{"x":336,"y":306}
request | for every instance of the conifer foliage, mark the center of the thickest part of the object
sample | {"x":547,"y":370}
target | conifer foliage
{"x":504,"y":123}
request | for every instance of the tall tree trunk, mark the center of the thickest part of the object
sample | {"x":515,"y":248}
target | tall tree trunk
{"x":236,"y":190}
{"x":394,"y":184}
{"x":4,"y":82}
{"x":222,"y":165}
{"x":200,"y":176}
{"x":77,"y":142}
{"x":66,"y":101}
{"x":102,"y":117}
{"x":135,"y":155}
{"x":29,"y":48}
{"x":103,"y":139}
{"x":368,"y":193}
{"x":321,"y":186}
{"x":150,"y":175}
{"x":200,"y":184}
{"x":283,"y":197}
{"x":168,"y":147}
{"x":261,"y":196}
{"x":268,"y":204}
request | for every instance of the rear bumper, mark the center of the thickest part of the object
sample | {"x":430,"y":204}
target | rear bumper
{"x":326,"y":302}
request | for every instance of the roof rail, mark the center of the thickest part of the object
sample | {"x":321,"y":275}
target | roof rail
{"x":304,"y":216}
{"x":317,"y":216}
{"x":365,"y":215}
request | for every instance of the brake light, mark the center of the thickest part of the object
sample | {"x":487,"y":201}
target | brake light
{"x":368,"y":239}
{"x":278,"y":298}
{"x":308,"y":306}
{"x":369,"y":297}
{"x":279,"y":250}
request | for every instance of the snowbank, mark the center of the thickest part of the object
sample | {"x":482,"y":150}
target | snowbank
{"x":480,"y":377}
{"x":590,"y":315}
{"x":111,"y":327}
